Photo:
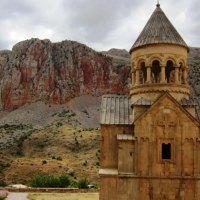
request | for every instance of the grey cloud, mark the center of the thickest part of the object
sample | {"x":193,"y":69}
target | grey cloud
{"x":10,"y":9}
{"x":3,"y":43}
{"x":98,"y":18}
{"x":192,"y":23}
{"x":101,"y":24}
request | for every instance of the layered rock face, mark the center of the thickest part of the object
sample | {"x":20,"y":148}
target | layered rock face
{"x":194,"y":70}
{"x":39,"y":70}
{"x":56,"y":72}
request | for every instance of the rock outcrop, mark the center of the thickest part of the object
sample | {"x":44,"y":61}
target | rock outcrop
{"x":194,"y":70}
{"x":56,"y":72}
{"x":118,"y":52}
{"x":39,"y":70}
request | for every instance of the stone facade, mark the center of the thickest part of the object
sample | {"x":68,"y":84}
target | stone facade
{"x":156,"y":154}
{"x":163,"y":63}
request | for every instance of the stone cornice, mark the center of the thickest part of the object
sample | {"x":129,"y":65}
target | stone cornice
{"x":158,"y":88}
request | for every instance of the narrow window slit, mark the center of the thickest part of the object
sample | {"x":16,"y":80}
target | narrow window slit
{"x":166,"y":151}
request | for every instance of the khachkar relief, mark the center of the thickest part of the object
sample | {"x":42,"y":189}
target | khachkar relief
{"x":166,"y":123}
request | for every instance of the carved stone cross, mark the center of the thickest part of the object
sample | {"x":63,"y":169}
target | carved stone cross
{"x":166,"y":123}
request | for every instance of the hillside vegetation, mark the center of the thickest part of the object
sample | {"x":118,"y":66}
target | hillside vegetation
{"x":38,"y":139}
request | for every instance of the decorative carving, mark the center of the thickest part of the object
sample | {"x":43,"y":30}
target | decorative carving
{"x":161,"y":54}
{"x":154,"y":88}
{"x":149,"y":55}
{"x":166,"y":124}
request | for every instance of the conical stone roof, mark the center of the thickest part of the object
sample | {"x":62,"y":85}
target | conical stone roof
{"x":158,"y":30}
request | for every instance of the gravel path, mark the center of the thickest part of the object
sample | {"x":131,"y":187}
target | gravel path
{"x":17,"y":196}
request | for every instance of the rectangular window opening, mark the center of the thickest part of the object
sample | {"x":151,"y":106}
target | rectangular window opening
{"x":166,"y":151}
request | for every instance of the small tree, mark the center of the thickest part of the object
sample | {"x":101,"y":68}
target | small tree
{"x":83,"y":183}
{"x":50,"y":181}
{"x":64,"y":181}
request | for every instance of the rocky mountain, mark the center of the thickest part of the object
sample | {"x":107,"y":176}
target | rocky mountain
{"x":56,"y":72}
{"x":39,"y":70}
{"x":117,"y":52}
{"x":194,"y":70}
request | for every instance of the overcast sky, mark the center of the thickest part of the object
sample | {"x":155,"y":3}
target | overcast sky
{"x":100,"y":24}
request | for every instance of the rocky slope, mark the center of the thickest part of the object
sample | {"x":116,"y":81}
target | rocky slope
{"x":59,"y":139}
{"x":117,"y":52}
{"x":194,"y":70}
{"x":56,"y":72}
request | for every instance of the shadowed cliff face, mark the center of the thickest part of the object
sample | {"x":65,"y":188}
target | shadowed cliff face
{"x":194,"y":70}
{"x":56,"y":72}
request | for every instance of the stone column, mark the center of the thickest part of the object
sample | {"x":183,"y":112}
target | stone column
{"x":163,"y":74}
{"x":137,"y":79}
{"x":133,"y":77}
{"x":185,"y":76}
{"x":176,"y":75}
{"x":148,"y":74}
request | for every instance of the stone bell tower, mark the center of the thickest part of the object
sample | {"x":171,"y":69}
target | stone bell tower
{"x":159,"y":60}
{"x":150,"y":141}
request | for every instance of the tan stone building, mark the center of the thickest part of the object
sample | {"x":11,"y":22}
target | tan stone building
{"x":150,"y":144}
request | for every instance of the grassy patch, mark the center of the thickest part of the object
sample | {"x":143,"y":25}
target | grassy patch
{"x":66,"y":196}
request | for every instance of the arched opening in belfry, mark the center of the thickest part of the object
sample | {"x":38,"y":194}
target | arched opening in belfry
{"x":143,"y":73}
{"x":170,"y":72}
{"x":181,"y":72}
{"x":155,"y":71}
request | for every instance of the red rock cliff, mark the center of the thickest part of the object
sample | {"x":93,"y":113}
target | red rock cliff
{"x":55,"y":72}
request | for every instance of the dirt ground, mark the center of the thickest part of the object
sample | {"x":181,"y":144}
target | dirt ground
{"x":17,"y":196}
{"x":66,"y":196}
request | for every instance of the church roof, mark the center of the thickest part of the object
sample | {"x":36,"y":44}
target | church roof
{"x":158,"y":30}
{"x":143,"y":102}
{"x":192,"y":101}
{"x":197,"y":101}
{"x":116,"y":109}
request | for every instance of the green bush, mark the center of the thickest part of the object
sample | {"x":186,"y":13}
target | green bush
{"x":54,"y":114}
{"x":59,"y":124}
{"x":59,"y":158}
{"x":64,"y":181}
{"x":2,"y":183}
{"x":85,"y":163}
{"x":83,"y":183}
{"x":67,"y":113}
{"x":64,"y":113}
{"x":74,"y":184}
{"x":50,"y":181}
{"x":44,"y":162}
{"x":71,"y":173}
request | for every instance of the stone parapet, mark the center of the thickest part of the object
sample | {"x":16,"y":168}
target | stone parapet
{"x":152,"y":91}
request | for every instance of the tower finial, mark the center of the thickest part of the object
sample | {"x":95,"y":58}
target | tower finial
{"x":158,"y":3}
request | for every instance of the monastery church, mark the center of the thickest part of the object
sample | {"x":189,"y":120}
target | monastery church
{"x":150,"y":140}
